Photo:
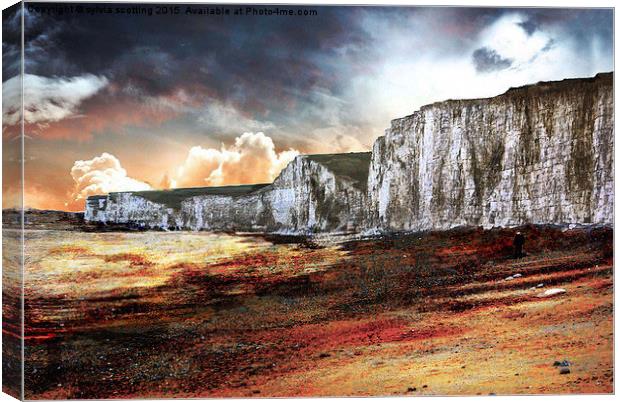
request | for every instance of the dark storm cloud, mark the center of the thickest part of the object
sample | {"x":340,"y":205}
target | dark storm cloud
{"x":11,"y":41}
{"x":580,"y":25}
{"x":264,"y":67}
{"x":292,"y":72}
{"x":241,"y":58}
{"x":486,"y":60}
{"x":528,"y":26}
{"x":254,"y":50}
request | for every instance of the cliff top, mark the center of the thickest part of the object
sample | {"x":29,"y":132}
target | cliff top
{"x":552,"y":86}
{"x":537,"y":89}
{"x":353,"y":166}
{"x":173,"y":198}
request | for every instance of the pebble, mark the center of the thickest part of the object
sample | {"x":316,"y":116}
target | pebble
{"x":564,"y":370}
{"x":551,"y":292}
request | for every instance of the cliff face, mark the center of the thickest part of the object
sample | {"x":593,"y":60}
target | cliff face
{"x":537,"y":154}
{"x":320,"y":193}
{"x":310,"y":195}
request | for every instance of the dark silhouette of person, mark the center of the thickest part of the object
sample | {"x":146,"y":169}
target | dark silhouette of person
{"x":518,"y":243}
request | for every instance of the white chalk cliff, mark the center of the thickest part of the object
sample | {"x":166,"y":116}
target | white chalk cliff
{"x":539,"y":154}
{"x":314,"y":193}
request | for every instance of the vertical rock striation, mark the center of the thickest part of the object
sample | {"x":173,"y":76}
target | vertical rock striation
{"x":536,"y":154}
{"x":539,"y":154}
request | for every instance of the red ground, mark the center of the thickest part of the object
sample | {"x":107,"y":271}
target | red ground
{"x":426,"y":314}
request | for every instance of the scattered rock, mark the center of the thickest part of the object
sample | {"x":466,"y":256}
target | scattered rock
{"x":551,"y":292}
{"x":324,"y":355}
{"x":509,"y":278}
{"x":412,"y":389}
{"x":564,"y":370}
{"x":517,"y":275}
{"x":424,"y":386}
{"x":540,"y":285}
{"x":563,"y":363}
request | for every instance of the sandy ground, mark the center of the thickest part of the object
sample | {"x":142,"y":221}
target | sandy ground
{"x":126,"y":315}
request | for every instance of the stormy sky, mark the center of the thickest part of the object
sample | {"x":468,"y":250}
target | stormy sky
{"x":121,"y":101}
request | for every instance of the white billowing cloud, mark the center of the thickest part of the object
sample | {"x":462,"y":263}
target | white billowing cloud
{"x":251,"y":159}
{"x":47,"y":99}
{"x":101,"y":175}
{"x":510,"y":40}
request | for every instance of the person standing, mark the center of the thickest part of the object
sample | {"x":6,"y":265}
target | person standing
{"x":518,"y":243}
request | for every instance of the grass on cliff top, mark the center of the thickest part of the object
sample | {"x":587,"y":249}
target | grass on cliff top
{"x":354,"y":166}
{"x":173,"y":198}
